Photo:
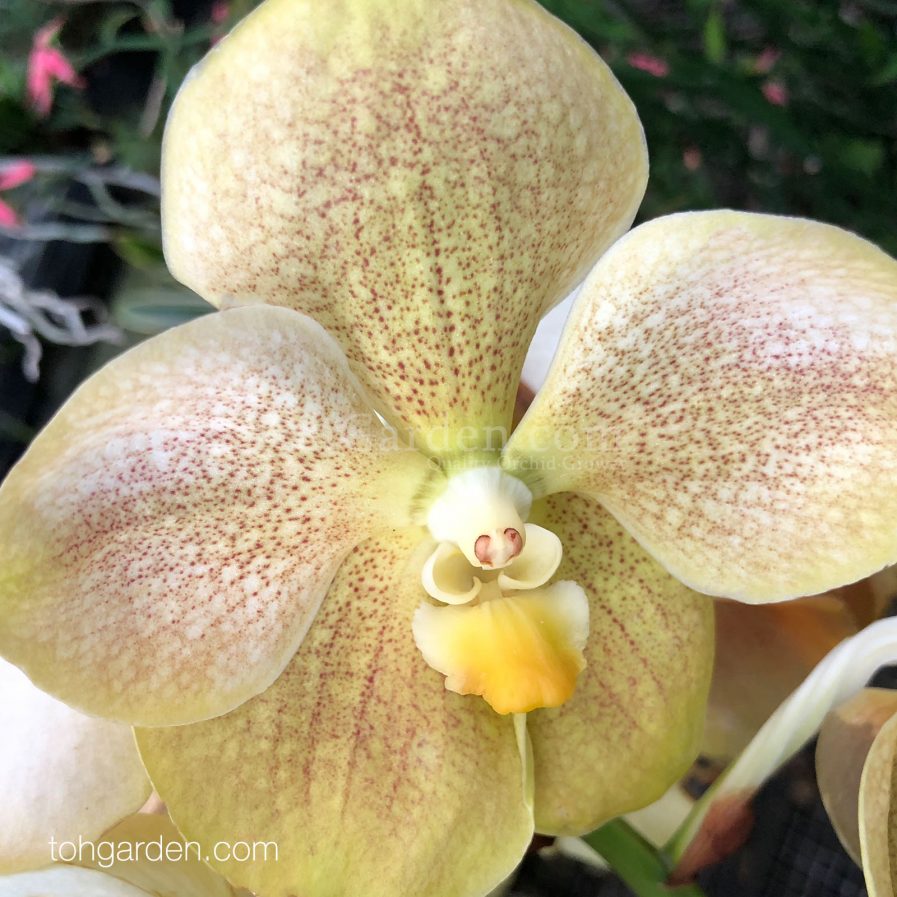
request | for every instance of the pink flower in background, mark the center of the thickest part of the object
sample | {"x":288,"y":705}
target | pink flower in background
{"x":220,"y":12}
{"x":775,"y":93}
{"x":219,"y":17}
{"x":13,"y":175}
{"x":644,"y":62}
{"x":766,"y":60}
{"x":8,"y":216}
{"x":16,"y":173}
{"x":692,"y":158}
{"x":46,"y":66}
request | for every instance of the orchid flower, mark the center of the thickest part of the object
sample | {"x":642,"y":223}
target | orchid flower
{"x":293,"y":540}
{"x":12,"y":176}
{"x":141,"y":856}
{"x":855,"y":759}
{"x":47,"y":66}
{"x":764,"y":652}
{"x":63,"y":775}
{"x":856,"y":756}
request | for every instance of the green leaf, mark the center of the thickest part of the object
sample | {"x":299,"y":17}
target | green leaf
{"x":150,"y":310}
{"x":887,"y":73}
{"x":641,"y":865}
{"x":107,"y":34}
{"x":858,"y":154}
{"x":139,"y":252}
{"x":715,"y":36}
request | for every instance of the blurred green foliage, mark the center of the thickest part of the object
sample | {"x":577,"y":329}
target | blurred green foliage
{"x":761,"y":105}
{"x":133,"y":54}
{"x":785,"y":107}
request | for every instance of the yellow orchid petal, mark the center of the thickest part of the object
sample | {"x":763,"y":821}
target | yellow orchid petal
{"x":725,"y":387}
{"x":519,"y":651}
{"x":536,"y":564}
{"x":357,"y":761}
{"x":147,"y":851}
{"x":878,"y":796}
{"x":845,"y":739}
{"x":142,"y":856}
{"x":449,"y":577}
{"x":186,"y":511}
{"x":63,"y":775}
{"x":762,"y":654}
{"x":633,"y":725}
{"x":424,"y":179}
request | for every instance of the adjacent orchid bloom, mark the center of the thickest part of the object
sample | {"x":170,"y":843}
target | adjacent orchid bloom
{"x":11,"y":176}
{"x":855,"y":759}
{"x":764,"y":652}
{"x":141,"y":856}
{"x":48,"y":66}
{"x":63,"y":775}
{"x":287,"y":548}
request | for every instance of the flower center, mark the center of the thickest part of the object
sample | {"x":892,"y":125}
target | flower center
{"x":505,"y":635}
{"x":499,"y":549}
{"x":482,"y":512}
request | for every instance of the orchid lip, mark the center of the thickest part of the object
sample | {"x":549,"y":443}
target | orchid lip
{"x":499,"y":631}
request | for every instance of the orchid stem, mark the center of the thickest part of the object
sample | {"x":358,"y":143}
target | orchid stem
{"x":639,"y":864}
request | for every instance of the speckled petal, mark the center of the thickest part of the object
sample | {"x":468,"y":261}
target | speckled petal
{"x":425,"y":179}
{"x":167,"y":539}
{"x":371,"y":777}
{"x":143,"y":856}
{"x":878,"y":798}
{"x":845,"y":739}
{"x":63,"y":775}
{"x":727,"y":387}
{"x":128,"y":852}
{"x":633,"y":725}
